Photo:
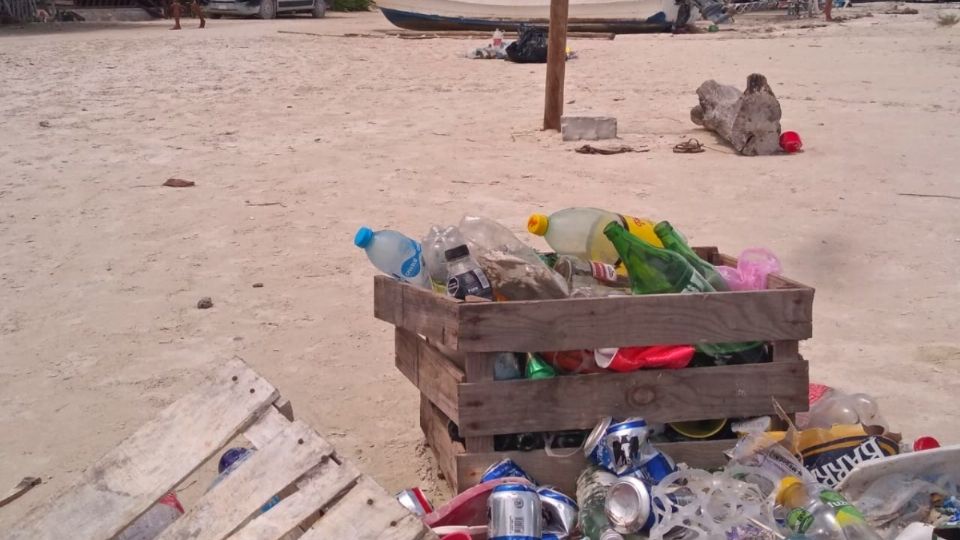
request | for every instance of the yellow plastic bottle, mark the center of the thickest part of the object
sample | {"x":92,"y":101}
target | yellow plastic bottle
{"x":578,"y":232}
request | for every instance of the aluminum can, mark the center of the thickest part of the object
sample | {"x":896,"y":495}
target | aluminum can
{"x":559,"y":512}
{"x":505,"y":468}
{"x":415,"y":501}
{"x":629,"y":506}
{"x":514,"y":513}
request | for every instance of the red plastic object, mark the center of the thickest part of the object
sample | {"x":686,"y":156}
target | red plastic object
{"x":627,"y":359}
{"x":790,"y":142}
{"x":925,"y":443}
{"x":468,"y":508}
{"x":457,"y":536}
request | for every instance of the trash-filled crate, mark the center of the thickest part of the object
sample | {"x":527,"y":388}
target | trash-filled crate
{"x":448,"y":349}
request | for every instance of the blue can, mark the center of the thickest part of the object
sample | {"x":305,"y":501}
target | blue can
{"x":505,"y":468}
{"x":630,"y":453}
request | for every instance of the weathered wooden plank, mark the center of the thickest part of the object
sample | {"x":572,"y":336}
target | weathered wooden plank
{"x":562,"y":472}
{"x":270,"y":424}
{"x":126,"y":481}
{"x":283,"y":405}
{"x":367,"y":512}
{"x":287,"y":457}
{"x":418,"y":310}
{"x":407,"y":354}
{"x":434,"y":426}
{"x":439,"y":378}
{"x":587,"y":323}
{"x":322,"y":486}
{"x":786,"y":351}
{"x":480,"y":369}
{"x":576,"y":402}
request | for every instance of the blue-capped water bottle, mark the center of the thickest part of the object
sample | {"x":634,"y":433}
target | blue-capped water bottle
{"x":394,"y":254}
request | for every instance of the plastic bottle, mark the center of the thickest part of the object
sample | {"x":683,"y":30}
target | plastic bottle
{"x":231,"y":461}
{"x":840,"y":408}
{"x":579,"y":232}
{"x":394,"y":254}
{"x":592,"y":487}
{"x":515,"y":270}
{"x":654,"y":270}
{"x":820,"y":513}
{"x":590,"y":278}
{"x":466,"y":276}
{"x":434,"y":244}
{"x":155,"y":520}
{"x":674,"y":241}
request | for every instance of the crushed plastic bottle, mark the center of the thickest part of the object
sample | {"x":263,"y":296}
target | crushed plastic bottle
{"x":434,"y":244}
{"x":838,"y":408}
{"x":515,"y":270}
{"x":394,"y":254}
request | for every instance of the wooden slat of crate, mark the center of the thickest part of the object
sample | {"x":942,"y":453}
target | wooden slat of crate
{"x":463,"y":470}
{"x":562,"y":472}
{"x":288,"y":456}
{"x":367,"y":513}
{"x":587,"y":323}
{"x":434,"y":425}
{"x":322,"y":486}
{"x":576,"y":402}
{"x":429,"y":370}
{"x":126,"y":481}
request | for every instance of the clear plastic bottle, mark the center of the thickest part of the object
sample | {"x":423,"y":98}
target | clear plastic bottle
{"x":591,"y":278}
{"x":579,"y":232}
{"x":592,"y":487}
{"x":434,"y":244}
{"x":394,"y":254}
{"x":466,"y":276}
{"x":820,"y":513}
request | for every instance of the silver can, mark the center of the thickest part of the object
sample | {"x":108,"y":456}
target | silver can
{"x":629,"y":506}
{"x":559,"y":512}
{"x":594,"y":448}
{"x":514,"y":513}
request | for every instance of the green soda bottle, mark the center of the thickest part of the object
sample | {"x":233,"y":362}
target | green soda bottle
{"x":673,"y":241}
{"x":653,"y":270}
{"x":657,"y":271}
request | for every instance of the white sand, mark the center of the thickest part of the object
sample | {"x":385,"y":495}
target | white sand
{"x":100,"y":268}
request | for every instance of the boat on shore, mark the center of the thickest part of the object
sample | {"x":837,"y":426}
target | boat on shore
{"x":618,"y":16}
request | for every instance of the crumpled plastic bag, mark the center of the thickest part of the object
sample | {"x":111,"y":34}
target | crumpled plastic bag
{"x":753,"y":266}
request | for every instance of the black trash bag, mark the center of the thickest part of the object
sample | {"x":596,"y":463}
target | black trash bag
{"x":530,"y":46}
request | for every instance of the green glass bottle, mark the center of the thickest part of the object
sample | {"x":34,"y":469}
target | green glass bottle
{"x":658,"y":271}
{"x":673,"y":241}
{"x":653,"y":270}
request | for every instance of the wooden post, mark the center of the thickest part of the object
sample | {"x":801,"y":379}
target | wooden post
{"x":556,"y":63}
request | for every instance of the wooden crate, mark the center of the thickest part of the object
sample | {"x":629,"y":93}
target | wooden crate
{"x":323,"y":496}
{"x":447,"y":349}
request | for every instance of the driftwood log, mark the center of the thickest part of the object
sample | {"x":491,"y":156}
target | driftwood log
{"x":750,"y":121}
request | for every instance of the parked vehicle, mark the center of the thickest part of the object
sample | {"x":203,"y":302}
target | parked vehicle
{"x":264,"y":9}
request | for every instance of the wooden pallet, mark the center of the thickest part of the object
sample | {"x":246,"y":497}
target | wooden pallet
{"x":323,"y":497}
{"x":448,"y":348}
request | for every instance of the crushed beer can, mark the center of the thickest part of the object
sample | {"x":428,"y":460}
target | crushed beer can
{"x":515,"y":513}
{"x":629,"y":506}
{"x":559,"y":513}
{"x":505,"y":468}
{"x":631,"y":453}
{"x":415,"y":501}
{"x":593,"y":447}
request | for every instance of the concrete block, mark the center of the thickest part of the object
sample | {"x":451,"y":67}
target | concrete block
{"x":588,"y":128}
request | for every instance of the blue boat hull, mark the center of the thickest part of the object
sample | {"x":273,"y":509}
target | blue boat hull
{"x":423,"y":22}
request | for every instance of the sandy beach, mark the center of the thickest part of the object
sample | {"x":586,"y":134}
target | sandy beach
{"x":294,"y":141}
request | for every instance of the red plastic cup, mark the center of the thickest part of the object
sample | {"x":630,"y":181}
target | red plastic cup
{"x":925,"y":443}
{"x":790,"y":142}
